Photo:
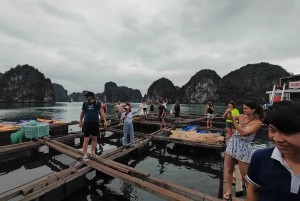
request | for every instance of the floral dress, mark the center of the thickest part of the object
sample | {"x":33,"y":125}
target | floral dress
{"x":239,"y":147}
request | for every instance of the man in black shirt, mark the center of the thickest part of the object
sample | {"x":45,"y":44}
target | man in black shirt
{"x":161,"y":115}
{"x":209,"y":112}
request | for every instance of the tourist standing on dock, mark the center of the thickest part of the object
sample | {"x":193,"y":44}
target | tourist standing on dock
{"x":90,"y":112}
{"x":274,"y":173}
{"x":176,"y":111}
{"x":119,"y":110}
{"x":126,"y":118}
{"x":209,"y":112}
{"x":165,"y":104}
{"x":151,"y":108}
{"x":239,"y":146}
{"x":103,"y":105}
{"x":161,"y":115}
{"x":144,"y":105}
{"x":229,"y":125}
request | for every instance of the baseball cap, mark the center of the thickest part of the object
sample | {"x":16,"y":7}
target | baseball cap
{"x":89,"y":93}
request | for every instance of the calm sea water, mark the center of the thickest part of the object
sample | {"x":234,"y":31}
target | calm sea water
{"x":176,"y":166}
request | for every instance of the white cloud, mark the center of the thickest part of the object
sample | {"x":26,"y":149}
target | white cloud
{"x":84,"y":44}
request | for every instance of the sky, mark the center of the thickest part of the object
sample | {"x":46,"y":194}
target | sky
{"x":81,"y":45}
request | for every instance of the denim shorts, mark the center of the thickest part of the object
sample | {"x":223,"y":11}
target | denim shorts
{"x":229,"y":125}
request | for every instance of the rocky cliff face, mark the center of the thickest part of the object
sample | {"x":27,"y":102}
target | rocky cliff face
{"x":162,"y":89}
{"x":25,"y":84}
{"x":201,"y":87}
{"x":113,"y":93}
{"x":61,"y":95}
{"x":250,"y":82}
{"x":77,"y":97}
{"x":1,"y":74}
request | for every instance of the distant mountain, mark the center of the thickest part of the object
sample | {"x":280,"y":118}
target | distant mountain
{"x":78,"y":97}
{"x":25,"y":84}
{"x":1,"y":74}
{"x":201,"y":87}
{"x":162,"y":89}
{"x":113,"y":93}
{"x":250,"y":82}
{"x":61,"y":95}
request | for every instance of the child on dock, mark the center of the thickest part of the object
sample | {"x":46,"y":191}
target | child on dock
{"x":239,"y":146}
{"x":274,"y":173}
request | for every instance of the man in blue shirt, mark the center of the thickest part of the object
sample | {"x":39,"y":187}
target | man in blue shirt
{"x":90,"y":111}
{"x":274,"y":173}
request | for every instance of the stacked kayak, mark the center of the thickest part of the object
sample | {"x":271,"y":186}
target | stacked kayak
{"x":50,"y":121}
{"x":8,"y":126}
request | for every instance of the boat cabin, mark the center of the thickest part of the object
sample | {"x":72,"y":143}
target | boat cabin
{"x":287,"y":89}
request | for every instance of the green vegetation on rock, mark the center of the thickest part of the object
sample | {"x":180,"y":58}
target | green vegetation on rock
{"x":250,"y":82}
{"x":25,"y":84}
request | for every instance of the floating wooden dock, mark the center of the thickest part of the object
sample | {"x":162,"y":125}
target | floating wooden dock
{"x":61,"y":184}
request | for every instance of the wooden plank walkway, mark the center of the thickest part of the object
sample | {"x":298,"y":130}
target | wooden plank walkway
{"x":123,"y":173}
{"x":106,"y":164}
{"x":47,"y":183}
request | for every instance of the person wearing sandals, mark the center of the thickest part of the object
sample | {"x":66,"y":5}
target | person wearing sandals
{"x":239,"y":146}
{"x":229,"y":125}
{"x":274,"y":172}
{"x":90,"y":126}
{"x":209,"y":112}
{"x":126,"y":118}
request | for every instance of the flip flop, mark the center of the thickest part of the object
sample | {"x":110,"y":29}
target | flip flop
{"x":225,"y":195}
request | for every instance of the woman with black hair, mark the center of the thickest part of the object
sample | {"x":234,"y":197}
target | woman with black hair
{"x":239,"y":146}
{"x":274,"y":173}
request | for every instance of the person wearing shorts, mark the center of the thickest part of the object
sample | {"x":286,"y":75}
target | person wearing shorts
{"x":144,"y":105}
{"x":152,"y":108}
{"x":90,"y":126}
{"x":176,"y":111}
{"x":161,"y":115}
{"x":119,"y":110}
{"x":230,"y":128}
{"x":209,"y":112}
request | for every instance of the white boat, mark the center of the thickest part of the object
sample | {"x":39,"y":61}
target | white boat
{"x":287,"y":89}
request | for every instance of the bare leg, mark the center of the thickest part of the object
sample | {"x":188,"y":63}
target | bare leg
{"x":85,"y":145}
{"x":230,"y":162}
{"x":94,"y":144}
{"x":211,"y":121}
{"x":229,"y":133}
{"x":207,"y":123}
{"x":243,"y":169}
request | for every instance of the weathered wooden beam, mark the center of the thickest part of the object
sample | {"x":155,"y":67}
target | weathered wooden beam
{"x":127,"y":151}
{"x":63,"y":150}
{"x":40,"y":183}
{"x":151,"y":188}
{"x":60,"y":184}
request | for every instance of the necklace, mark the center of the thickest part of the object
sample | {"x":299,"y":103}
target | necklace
{"x":248,"y":121}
